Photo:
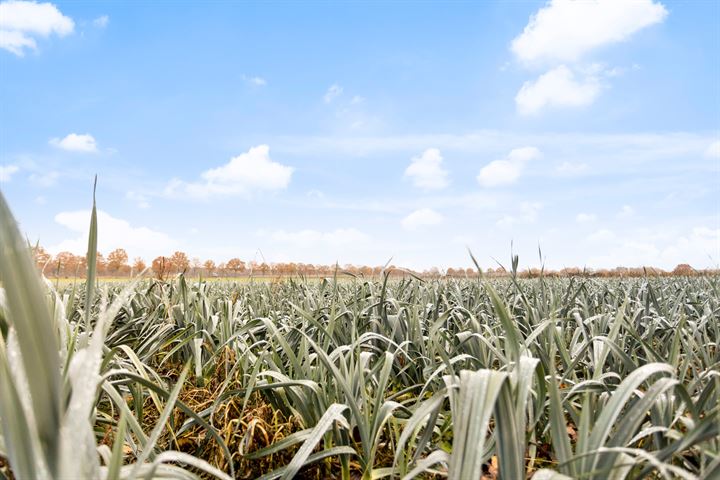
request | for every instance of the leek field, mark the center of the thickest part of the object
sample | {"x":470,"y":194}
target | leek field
{"x":355,"y":378}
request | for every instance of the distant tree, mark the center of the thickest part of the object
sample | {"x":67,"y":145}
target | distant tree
{"x":620,"y":271}
{"x":138,"y":265}
{"x":179,"y":262}
{"x":235,"y":265}
{"x":195,"y":264}
{"x":117,"y":261}
{"x":209,"y":267}
{"x":64,"y":264}
{"x":160,"y":267}
{"x":683,"y":270}
{"x":41,"y":256}
{"x":570,"y":272}
{"x":100,"y":264}
{"x":81,"y":265}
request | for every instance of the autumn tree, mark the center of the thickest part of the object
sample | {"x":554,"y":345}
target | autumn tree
{"x":64,"y":264}
{"x":41,"y":256}
{"x":179,"y":262}
{"x":160,"y":267}
{"x":683,"y":270}
{"x":100,"y":264}
{"x":138,"y":265}
{"x":209,"y":267}
{"x":235,"y":265}
{"x":117,"y":261}
{"x":81,"y":266}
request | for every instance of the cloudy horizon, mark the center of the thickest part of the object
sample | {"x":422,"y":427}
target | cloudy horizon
{"x":587,"y":129}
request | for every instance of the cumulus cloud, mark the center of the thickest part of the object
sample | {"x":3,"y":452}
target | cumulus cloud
{"x":426,"y":170}
{"x":101,"y":21}
{"x":565,"y":30}
{"x":557,"y":88}
{"x":699,"y":246}
{"x":713,"y":150}
{"x":422,"y":218}
{"x":112,"y":233}
{"x":7,"y":171}
{"x":507,"y":171}
{"x":251,"y":171}
{"x":75,"y":142}
{"x":561,"y":33}
{"x":332,"y":93}
{"x":21,"y":22}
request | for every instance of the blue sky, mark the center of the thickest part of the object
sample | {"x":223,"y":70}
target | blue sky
{"x":359,"y":132}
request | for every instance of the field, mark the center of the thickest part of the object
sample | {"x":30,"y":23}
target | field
{"x":465,"y":379}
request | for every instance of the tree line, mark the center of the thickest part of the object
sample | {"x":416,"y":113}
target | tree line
{"x":118,"y":264}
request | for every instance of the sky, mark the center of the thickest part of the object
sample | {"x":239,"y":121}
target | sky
{"x":587,"y":132}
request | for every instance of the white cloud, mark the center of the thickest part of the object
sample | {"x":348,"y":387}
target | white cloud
{"x":101,"y":21}
{"x":585,"y":217}
{"x":312,"y":238}
{"x":557,"y":88}
{"x":713,"y":150}
{"x":7,"y":171}
{"x":699,"y":246}
{"x":255,"y":80}
{"x":626,"y":212}
{"x":112,"y":233}
{"x":75,"y":142}
{"x":248,"y":172}
{"x":565,"y":30}
{"x":357,"y":99}
{"x":332,"y":93}
{"x":21,"y":22}
{"x":508,"y":170}
{"x":424,"y":217}
{"x":426,"y":170}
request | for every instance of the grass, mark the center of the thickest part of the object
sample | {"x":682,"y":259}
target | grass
{"x":359,"y":378}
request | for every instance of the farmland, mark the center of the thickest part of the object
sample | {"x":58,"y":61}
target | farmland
{"x":360,"y":378}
